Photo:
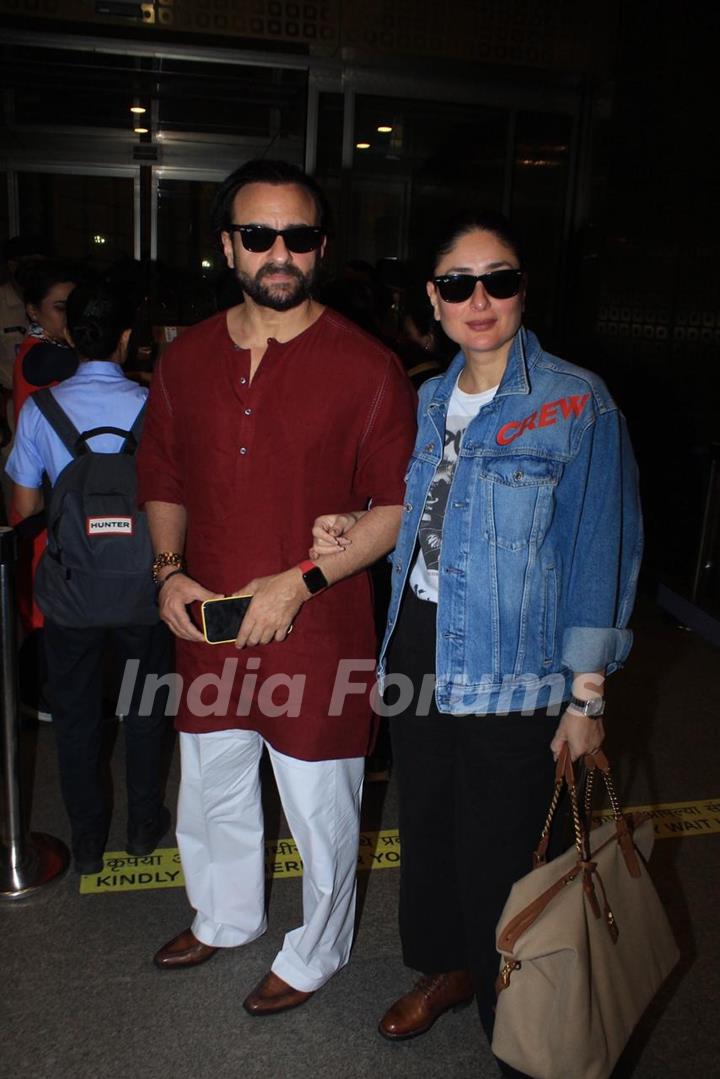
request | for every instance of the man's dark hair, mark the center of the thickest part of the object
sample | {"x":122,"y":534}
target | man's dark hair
{"x":97,"y":316}
{"x":261,"y":171}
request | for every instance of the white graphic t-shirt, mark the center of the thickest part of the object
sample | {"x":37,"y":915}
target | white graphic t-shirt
{"x":462,"y":408}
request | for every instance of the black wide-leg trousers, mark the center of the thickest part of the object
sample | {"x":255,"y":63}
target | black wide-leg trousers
{"x":474,"y":794}
{"x":75,"y":661}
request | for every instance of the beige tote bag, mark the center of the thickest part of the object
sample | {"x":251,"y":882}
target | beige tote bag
{"x":585,"y":944}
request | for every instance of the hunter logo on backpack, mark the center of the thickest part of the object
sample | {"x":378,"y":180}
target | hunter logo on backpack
{"x":96,"y":568}
{"x":97,"y":526}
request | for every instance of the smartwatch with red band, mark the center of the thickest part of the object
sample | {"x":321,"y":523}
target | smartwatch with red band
{"x":313,"y":577}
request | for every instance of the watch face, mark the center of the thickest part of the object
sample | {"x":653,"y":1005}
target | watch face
{"x":315,"y":580}
{"x":592,"y":708}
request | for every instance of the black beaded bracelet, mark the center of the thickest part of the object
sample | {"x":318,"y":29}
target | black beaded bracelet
{"x":162,"y":580}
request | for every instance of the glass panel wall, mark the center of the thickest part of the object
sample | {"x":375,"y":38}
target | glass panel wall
{"x":376,"y":227}
{"x":192,"y":278}
{"x":184,"y":237}
{"x":414,"y":161}
{"x":330,"y":133}
{"x":418,"y":162}
{"x":62,"y":88}
{"x":539,"y":198}
{"x":229,"y":99}
{"x":81,"y":217}
{"x":441,"y":155}
{"x":329,"y":172}
{"x":58,"y":87}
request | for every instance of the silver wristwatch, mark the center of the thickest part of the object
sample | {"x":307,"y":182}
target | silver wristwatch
{"x":593,"y":709}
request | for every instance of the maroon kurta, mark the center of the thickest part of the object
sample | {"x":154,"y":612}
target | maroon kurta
{"x":327,"y":424}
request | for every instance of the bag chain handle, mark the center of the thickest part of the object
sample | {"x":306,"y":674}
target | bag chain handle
{"x":598,"y":762}
{"x":564,"y":774}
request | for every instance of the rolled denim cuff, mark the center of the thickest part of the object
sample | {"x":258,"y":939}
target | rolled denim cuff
{"x":590,"y":648}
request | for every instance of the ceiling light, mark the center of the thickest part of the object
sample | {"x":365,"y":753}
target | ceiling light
{"x":384,"y":129}
{"x":138,"y":109}
{"x":141,"y":130}
{"x":362,"y":145}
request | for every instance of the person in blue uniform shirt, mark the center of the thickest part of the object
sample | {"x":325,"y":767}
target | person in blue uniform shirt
{"x":98,"y":395}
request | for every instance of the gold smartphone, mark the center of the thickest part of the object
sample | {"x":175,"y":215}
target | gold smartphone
{"x":222,"y":618}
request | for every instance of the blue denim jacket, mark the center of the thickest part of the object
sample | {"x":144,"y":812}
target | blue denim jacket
{"x":542,"y":536}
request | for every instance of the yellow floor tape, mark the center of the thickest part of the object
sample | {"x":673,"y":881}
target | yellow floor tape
{"x":378,"y":850}
{"x":674,"y":819}
{"x":124,"y":873}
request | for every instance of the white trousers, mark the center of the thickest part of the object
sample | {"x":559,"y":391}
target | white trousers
{"x":221,"y":840}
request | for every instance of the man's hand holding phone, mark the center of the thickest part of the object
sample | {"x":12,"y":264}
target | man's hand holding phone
{"x":276,"y":601}
{"x":173,"y":600}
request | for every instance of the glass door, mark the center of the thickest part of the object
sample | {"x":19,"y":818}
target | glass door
{"x":84,"y":217}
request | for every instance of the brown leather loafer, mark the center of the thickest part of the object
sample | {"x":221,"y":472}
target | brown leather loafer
{"x":184,"y":950}
{"x":432,"y":995}
{"x":273,"y":995}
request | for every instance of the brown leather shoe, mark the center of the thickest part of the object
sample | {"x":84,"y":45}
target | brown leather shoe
{"x":273,"y":995}
{"x":432,"y":995}
{"x":184,"y":950}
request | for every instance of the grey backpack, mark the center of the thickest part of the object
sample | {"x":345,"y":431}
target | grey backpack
{"x":96,"y":569}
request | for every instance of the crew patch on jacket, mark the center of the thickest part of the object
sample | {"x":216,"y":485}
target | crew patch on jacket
{"x":548,"y":414}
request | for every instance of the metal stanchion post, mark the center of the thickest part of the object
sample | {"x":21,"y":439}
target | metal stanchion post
{"x":27,"y":861}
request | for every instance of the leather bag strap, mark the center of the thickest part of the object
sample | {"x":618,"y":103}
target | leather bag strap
{"x":565,"y":776}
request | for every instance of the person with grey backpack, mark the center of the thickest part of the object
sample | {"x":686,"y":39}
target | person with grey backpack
{"x":94,"y":584}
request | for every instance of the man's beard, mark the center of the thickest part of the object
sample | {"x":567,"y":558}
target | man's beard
{"x":279,"y":297}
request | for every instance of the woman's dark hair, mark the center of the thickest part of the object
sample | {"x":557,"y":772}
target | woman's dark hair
{"x":97,"y":316}
{"x":485,"y":221}
{"x":261,"y":171}
{"x":41,"y":276}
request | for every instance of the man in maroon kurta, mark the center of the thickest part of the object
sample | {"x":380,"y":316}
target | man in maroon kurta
{"x":261,"y":419}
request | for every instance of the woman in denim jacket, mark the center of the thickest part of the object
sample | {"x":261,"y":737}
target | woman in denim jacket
{"x":513,"y":579}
